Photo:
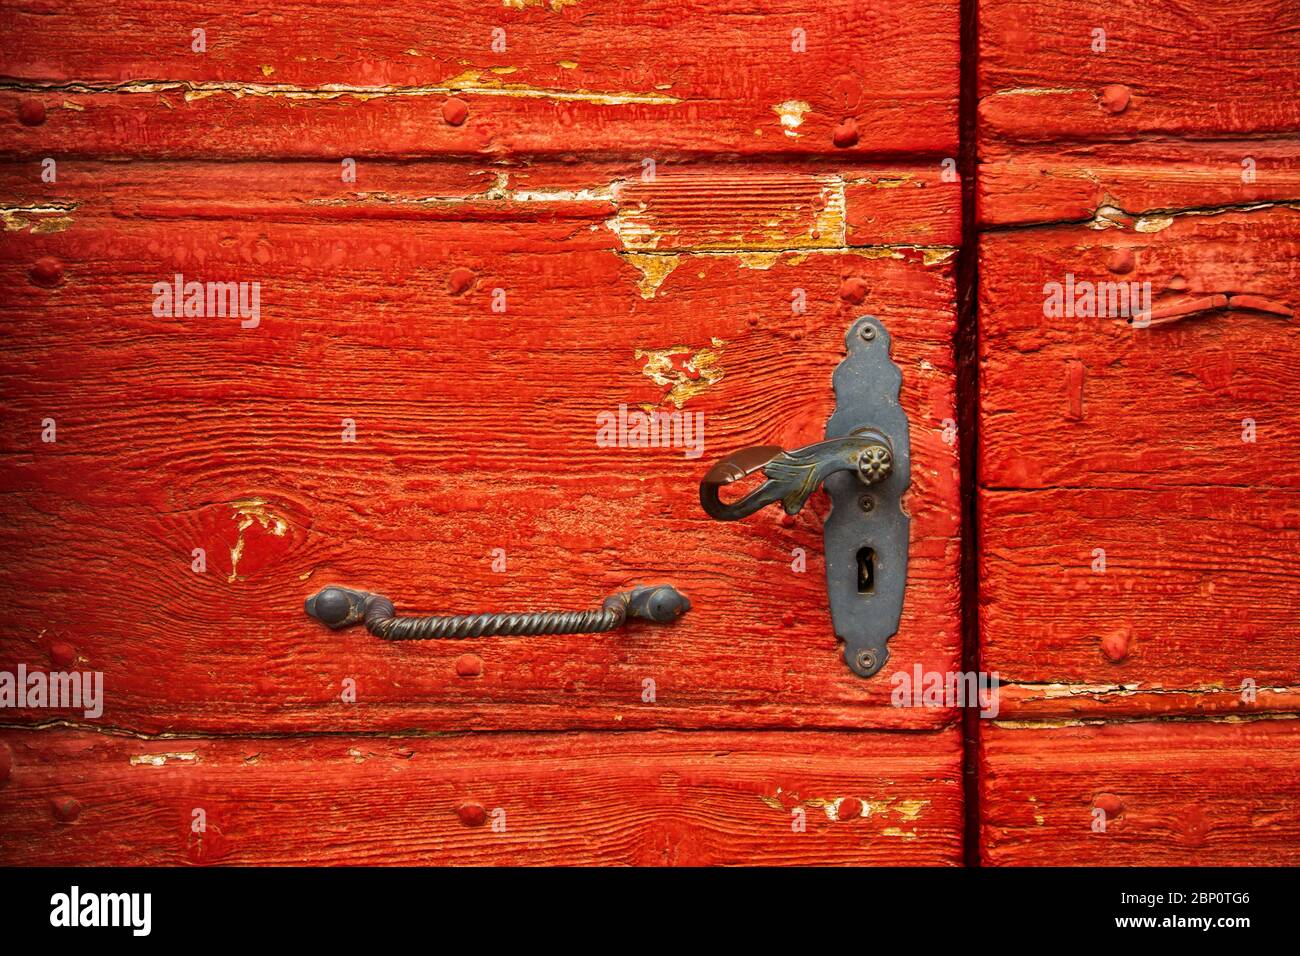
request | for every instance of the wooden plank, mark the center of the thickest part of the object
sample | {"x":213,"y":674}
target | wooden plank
{"x":1169,"y":69}
{"x":1196,"y":601}
{"x":687,"y":206}
{"x":1101,"y":438}
{"x":651,"y":798}
{"x":1173,"y":794}
{"x":1048,"y":184}
{"x":475,"y":431}
{"x":1153,"y":407}
{"x":641,"y":80}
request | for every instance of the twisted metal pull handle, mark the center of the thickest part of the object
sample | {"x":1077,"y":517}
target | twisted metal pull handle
{"x":339,"y":607}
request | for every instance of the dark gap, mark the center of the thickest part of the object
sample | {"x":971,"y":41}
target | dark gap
{"x":968,"y":397}
{"x":866,"y":571}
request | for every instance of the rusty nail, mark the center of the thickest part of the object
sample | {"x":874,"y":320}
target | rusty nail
{"x":469,"y":665}
{"x":845,"y":134}
{"x":1120,"y":261}
{"x":65,"y":809}
{"x":1115,"y":646}
{"x":455,"y":111}
{"x":47,"y":272}
{"x":31,"y":112}
{"x":460,"y":281}
{"x":1114,"y":98}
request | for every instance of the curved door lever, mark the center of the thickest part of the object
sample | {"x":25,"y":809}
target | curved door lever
{"x":864,"y":464}
{"x":794,"y":475}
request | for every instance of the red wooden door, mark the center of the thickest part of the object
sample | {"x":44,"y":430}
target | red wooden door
{"x":474,"y":230}
{"x":476,"y":233}
{"x":1137,"y":504}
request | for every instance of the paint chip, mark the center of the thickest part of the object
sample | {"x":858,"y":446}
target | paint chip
{"x":158,"y":760}
{"x":247,"y":512}
{"x":684,"y":371}
{"x":654,"y":269}
{"x":791,"y":114}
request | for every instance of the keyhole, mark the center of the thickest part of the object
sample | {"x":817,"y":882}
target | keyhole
{"x":866,"y":571}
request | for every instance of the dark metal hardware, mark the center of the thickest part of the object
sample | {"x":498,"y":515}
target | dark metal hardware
{"x":339,"y":607}
{"x":865,"y":466}
{"x":794,"y":475}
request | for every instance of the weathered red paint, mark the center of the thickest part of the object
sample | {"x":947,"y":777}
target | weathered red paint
{"x":650,"y":186}
{"x":1137,"y":509}
{"x":646,"y":798}
{"x":1172,"y":794}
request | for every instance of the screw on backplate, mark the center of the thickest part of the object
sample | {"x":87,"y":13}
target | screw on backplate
{"x":868,"y":333}
{"x":866,"y":660}
{"x":867,"y":504}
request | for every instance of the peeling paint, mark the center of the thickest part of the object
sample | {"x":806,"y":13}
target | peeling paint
{"x":687,"y":378}
{"x":1108,"y":215}
{"x":1038,"y":91}
{"x":470,"y":82}
{"x":833,"y":809}
{"x":246,"y":512}
{"x":932,"y":256}
{"x":654,"y":269}
{"x":158,"y":760}
{"x":40,"y":220}
{"x":832,"y":222}
{"x":759,"y":260}
{"x":632,"y":227}
{"x":498,"y":192}
{"x":1154,"y":224}
{"x":896,"y":832}
{"x":909,"y":810}
{"x":791,"y":114}
{"x":555,"y":5}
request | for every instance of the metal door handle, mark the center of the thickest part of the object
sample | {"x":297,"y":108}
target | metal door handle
{"x":339,"y":607}
{"x":794,"y":475}
{"x":865,"y":464}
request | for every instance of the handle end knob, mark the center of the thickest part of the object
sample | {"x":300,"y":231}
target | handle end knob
{"x":660,"y":603}
{"x":337,"y":607}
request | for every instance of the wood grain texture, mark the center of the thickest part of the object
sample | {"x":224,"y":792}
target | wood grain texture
{"x":1197,"y":598}
{"x":687,"y":206}
{"x":475,"y":431}
{"x":1053,"y":184}
{"x":1207,"y":69}
{"x":1174,"y":794}
{"x":1161,"y":406}
{"x":647,"y":79}
{"x":1099,"y":435}
{"x":649,"y":798}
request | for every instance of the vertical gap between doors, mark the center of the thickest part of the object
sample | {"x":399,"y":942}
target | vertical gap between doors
{"x":968,"y":397}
